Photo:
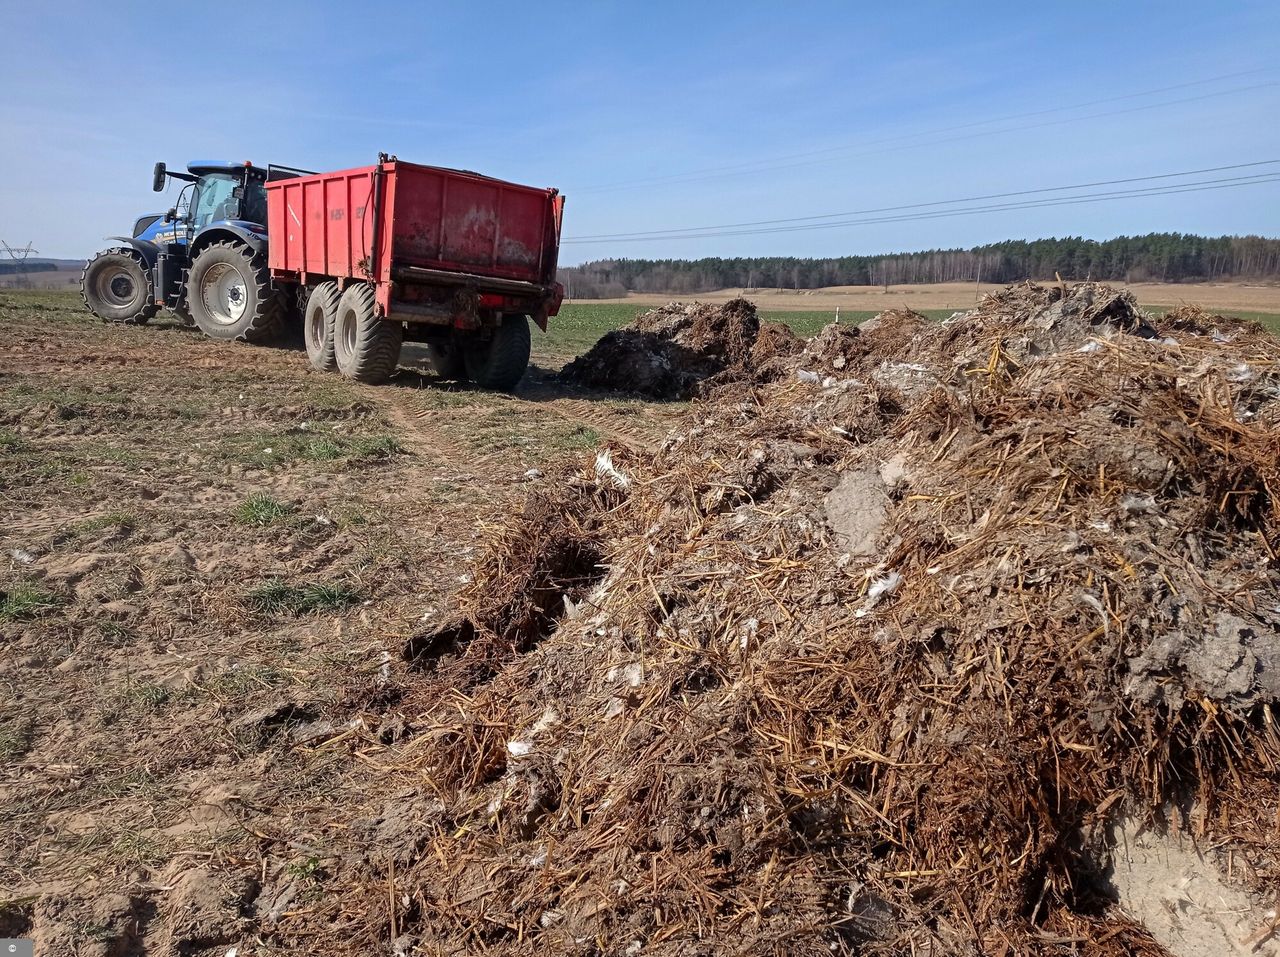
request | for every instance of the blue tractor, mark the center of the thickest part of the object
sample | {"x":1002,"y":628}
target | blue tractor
{"x":205,"y":259}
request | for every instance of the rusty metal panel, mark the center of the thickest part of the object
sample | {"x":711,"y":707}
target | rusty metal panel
{"x":444,"y":219}
{"x":427,"y":217}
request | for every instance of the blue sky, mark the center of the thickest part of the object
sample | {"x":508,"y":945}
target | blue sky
{"x":623,"y":106}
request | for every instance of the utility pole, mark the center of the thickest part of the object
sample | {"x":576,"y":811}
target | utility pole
{"x":19,"y":259}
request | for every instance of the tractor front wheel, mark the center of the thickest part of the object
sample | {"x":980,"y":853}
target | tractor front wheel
{"x":366,"y":347}
{"x":116,"y":288}
{"x":230,"y":296}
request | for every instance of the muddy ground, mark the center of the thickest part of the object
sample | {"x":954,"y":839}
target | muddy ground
{"x":210,"y":559}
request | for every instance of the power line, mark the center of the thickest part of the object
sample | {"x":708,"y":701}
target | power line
{"x":942,"y":214}
{"x":19,"y":259}
{"x":945,"y":129}
{"x":941,"y":202}
{"x":1039,"y":203}
{"x":1195,"y":187}
{"x":766,"y":166}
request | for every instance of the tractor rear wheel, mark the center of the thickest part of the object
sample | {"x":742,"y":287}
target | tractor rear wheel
{"x":317,"y":325}
{"x":500,"y":362}
{"x":230,"y":296}
{"x":366,"y":347}
{"x":116,"y":287}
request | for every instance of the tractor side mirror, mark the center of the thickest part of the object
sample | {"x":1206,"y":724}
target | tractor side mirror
{"x":157,"y":180}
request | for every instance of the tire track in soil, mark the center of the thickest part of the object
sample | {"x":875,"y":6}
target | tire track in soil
{"x":416,"y":416}
{"x":639,"y":430}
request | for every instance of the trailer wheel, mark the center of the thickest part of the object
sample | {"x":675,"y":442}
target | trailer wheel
{"x":366,"y":347}
{"x":230,"y":296}
{"x":500,"y":362}
{"x":115,"y":287}
{"x":317,"y":325}
{"x":446,"y":361}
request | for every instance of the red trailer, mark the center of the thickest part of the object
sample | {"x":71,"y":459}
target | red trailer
{"x":400,"y":251}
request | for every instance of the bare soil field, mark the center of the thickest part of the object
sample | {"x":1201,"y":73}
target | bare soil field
{"x":210,"y":560}
{"x":1220,"y":297}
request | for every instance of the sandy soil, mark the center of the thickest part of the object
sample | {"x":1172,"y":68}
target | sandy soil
{"x":1217,"y":296}
{"x":210,"y":559}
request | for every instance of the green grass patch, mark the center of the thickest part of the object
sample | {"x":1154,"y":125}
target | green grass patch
{"x":1269,"y":320}
{"x":242,"y":679}
{"x":332,"y":392}
{"x":15,"y":739}
{"x":23,"y":602}
{"x":113,"y":633}
{"x":261,"y":509}
{"x":577,"y":438}
{"x":581,"y":324}
{"x":504,"y":428}
{"x":306,"y":869}
{"x":121,"y":520}
{"x":271,"y":450}
{"x":374,"y":447}
{"x":146,"y":695}
{"x":189,"y":410}
{"x":443,"y":396}
{"x":70,"y":401}
{"x":139,"y":848}
{"x":46,"y":307}
{"x":350,"y":515}
{"x":323,"y":449}
{"x":278,"y":597}
{"x":100,"y":451}
{"x":11,"y":443}
{"x":26,"y":474}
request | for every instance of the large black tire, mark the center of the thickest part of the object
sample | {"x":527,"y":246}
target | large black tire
{"x":230,"y":296}
{"x":367,"y":348}
{"x":116,"y":287}
{"x":317,"y":325}
{"x":500,"y":361}
{"x":446,"y":361}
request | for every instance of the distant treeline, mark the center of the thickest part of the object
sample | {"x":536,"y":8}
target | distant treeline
{"x":1156,"y":257}
{"x":10,"y":268}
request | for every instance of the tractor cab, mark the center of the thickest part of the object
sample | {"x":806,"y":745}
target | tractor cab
{"x":214,"y":193}
{"x":227,"y":193}
{"x":215,"y":236}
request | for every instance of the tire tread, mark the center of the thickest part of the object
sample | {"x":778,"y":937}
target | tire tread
{"x":501,"y":363}
{"x":327,"y":296}
{"x":267,"y":321}
{"x":378,"y":342}
{"x":148,"y":309}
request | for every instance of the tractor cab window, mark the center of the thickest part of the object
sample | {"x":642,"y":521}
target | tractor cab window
{"x":213,"y":198}
{"x":253,"y":207}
